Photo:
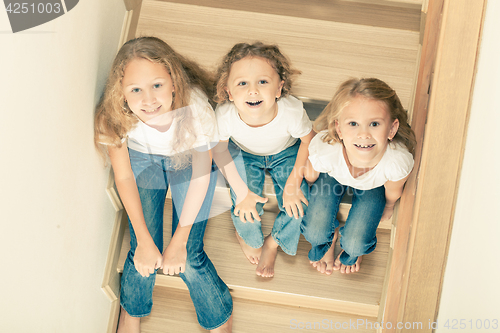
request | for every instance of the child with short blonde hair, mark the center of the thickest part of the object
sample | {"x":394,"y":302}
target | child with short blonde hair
{"x":267,"y":130}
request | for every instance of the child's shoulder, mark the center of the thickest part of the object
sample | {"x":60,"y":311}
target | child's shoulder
{"x":399,"y":161}
{"x":291,"y":104}
{"x":198,"y":96}
{"x":224,"y":109}
{"x":398,"y":152}
{"x":319,"y":146}
{"x":324,"y":157}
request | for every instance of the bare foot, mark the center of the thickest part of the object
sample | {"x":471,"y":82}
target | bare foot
{"x":252,"y":254}
{"x":268,"y":257}
{"x":128,"y":324}
{"x":325,"y":264}
{"x":346,"y":269}
{"x":227,"y":327}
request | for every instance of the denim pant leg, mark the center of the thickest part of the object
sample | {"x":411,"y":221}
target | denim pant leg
{"x":136,"y":295}
{"x":320,"y":221}
{"x":286,"y":229}
{"x":359,"y":234}
{"x":210,"y":295}
{"x":251,"y":170}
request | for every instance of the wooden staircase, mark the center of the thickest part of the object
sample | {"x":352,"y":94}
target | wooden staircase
{"x":296,"y":285}
{"x":328,"y":43}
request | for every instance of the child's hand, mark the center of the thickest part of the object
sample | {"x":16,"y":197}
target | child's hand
{"x":293,"y":199}
{"x":387,"y":214}
{"x":246,"y":208}
{"x":147,"y":258}
{"x":174,"y":258}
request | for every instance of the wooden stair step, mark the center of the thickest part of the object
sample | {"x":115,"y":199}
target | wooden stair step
{"x":295,"y":282}
{"x":222,"y":201}
{"x":173,"y":311}
{"x":342,"y":49}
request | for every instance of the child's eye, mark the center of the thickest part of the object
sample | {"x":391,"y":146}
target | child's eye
{"x":262,"y":82}
{"x":375,"y":124}
{"x":352,"y":123}
{"x":243,"y":83}
{"x":158,"y":85}
{"x":136,"y":90}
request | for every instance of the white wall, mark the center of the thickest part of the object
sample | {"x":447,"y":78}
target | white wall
{"x":471,"y":284}
{"x":54,"y":213}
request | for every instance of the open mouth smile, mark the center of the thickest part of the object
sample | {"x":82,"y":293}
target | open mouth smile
{"x":151,"y":111}
{"x":254,"y":103}
{"x":364,"y":146}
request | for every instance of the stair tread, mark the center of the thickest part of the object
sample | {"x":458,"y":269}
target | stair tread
{"x":294,"y":276}
{"x":248,"y":316}
{"x":360,"y":50}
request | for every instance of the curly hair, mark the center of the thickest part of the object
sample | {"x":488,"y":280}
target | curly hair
{"x":371,"y":88}
{"x":114,"y":119}
{"x":241,"y":50}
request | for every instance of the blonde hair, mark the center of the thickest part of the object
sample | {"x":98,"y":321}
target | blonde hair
{"x":114,"y":119}
{"x":242,"y":50}
{"x":369,"y":88}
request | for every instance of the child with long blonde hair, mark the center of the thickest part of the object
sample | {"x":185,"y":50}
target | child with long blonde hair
{"x":364,"y":145}
{"x":267,"y":130}
{"x":155,"y":123}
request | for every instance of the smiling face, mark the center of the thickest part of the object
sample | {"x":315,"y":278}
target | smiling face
{"x":365,"y":128}
{"x":147,"y":88}
{"x":254,"y":85}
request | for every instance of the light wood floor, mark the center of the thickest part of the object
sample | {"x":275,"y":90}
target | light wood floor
{"x":326,"y":51}
{"x":295,"y":282}
{"x":173,"y":311}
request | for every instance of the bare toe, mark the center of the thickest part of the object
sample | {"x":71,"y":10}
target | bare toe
{"x":253,"y":255}
{"x":268,"y":258}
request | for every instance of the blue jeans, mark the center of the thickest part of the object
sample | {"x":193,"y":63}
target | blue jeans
{"x":210,"y":295}
{"x":252,"y":168}
{"x":358,"y":235}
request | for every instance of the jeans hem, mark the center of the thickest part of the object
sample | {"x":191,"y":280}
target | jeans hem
{"x":283,"y":247}
{"x":223,"y":322}
{"x":364,"y":254}
{"x":247,"y":243}
{"x":135,"y":316}
{"x":322,"y":255}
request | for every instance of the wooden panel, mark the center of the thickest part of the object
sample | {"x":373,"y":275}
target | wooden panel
{"x":326,"y":52}
{"x":248,"y":316}
{"x":394,"y":14}
{"x":442,"y":154}
{"x":111,"y":279}
{"x":130,"y":21}
{"x":405,"y":213}
{"x":132,"y":4}
{"x":114,"y":314}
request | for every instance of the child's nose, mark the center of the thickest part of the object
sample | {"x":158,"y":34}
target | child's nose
{"x":149,"y":97}
{"x":253,"y":89}
{"x":363,"y":132}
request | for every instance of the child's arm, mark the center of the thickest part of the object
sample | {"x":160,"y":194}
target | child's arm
{"x":292,"y":195}
{"x":393,"y":191}
{"x":147,"y":257}
{"x":245,"y":200}
{"x":310,"y":174}
{"x":174,"y":257}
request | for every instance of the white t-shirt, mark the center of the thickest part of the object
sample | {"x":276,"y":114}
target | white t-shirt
{"x":153,"y":138}
{"x":291,"y":122}
{"x":395,"y":165}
